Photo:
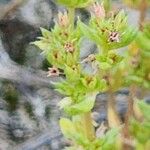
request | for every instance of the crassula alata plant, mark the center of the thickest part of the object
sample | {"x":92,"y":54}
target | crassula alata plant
{"x":61,"y":47}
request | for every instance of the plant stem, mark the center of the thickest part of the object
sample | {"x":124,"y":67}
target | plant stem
{"x":129,"y":114}
{"x":132,"y":95}
{"x":142,"y":9}
{"x":113,"y":118}
{"x":71,"y":15}
{"x":88,"y":126}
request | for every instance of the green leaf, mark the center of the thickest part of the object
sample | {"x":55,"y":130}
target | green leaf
{"x":135,"y":78}
{"x":64,"y":88}
{"x":104,"y":66}
{"x":111,"y":135}
{"x":71,"y":74}
{"x":65,"y":102}
{"x":143,"y":41}
{"x":145,"y":108}
{"x":93,"y":83}
{"x":44,"y":42}
{"x":110,"y":139}
{"x":84,"y":106}
{"x":90,"y":33}
{"x":41,"y":44}
{"x":120,"y":20}
{"x":67,"y":128}
{"x":45,"y":33}
{"x":107,"y":5}
{"x":75,"y":3}
{"x":140,"y":130}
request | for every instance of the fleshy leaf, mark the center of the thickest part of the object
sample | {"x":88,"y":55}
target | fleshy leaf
{"x":110,"y":139}
{"x":45,"y":33}
{"x":42,"y":45}
{"x":89,"y":33}
{"x":65,"y":102}
{"x":71,"y":74}
{"x":84,"y":106}
{"x":67,"y":127}
{"x":143,"y":41}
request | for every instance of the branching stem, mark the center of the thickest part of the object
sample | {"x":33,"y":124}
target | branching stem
{"x":88,"y":126}
{"x":113,"y":118}
{"x":142,"y":9}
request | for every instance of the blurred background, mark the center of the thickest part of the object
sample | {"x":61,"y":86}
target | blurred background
{"x":28,"y":103}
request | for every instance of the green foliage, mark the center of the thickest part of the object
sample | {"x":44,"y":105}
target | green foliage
{"x":143,"y":41}
{"x":141,"y":130}
{"x":75,"y":3}
{"x":110,"y":140}
{"x":75,"y":131}
{"x":71,"y":130}
{"x":145,"y":109}
{"x":61,"y":47}
{"x":54,"y":45}
{"x":139,"y":72}
{"x":100,"y":31}
{"x":44,"y":41}
{"x":85,"y":104}
{"x":107,"y":5}
{"x":109,"y":60}
{"x":135,"y":3}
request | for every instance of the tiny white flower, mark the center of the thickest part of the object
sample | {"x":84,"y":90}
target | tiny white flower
{"x":69,"y":47}
{"x":53,"y":72}
{"x":114,"y":37}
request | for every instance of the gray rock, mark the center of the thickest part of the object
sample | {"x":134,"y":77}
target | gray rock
{"x":33,"y":52}
{"x":4,"y":144}
{"x":4,"y":1}
{"x":4,"y":138}
{"x":133,"y":17}
{"x":87,"y":47}
{"x":4,"y":118}
{"x":3,"y":104}
{"x":18,"y":133}
{"x":16,"y":35}
{"x":37,"y":12}
{"x":15,"y":121}
{"x":121,"y":101}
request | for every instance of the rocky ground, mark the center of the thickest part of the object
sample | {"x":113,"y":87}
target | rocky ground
{"x":28,"y":103}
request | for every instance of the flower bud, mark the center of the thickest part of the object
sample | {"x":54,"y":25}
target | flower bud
{"x":99,"y":10}
{"x":63,"y":19}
